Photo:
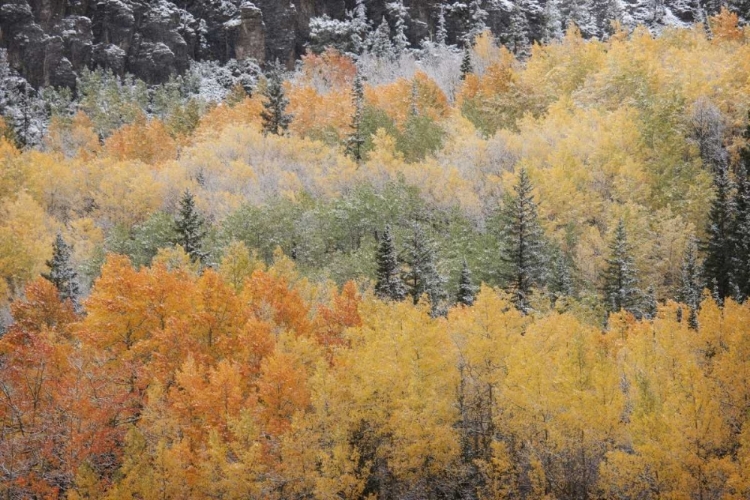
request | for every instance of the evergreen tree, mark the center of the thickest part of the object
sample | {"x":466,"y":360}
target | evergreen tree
{"x":190,"y":228}
{"x":691,"y":281}
{"x":560,"y":283}
{"x":518,"y":35}
{"x":380,"y":42}
{"x":400,"y":13}
{"x":466,"y":66}
{"x":467,"y":292}
{"x":356,"y":140}
{"x":422,"y":275}
{"x":61,"y":272}
{"x":388,"y":285}
{"x":718,"y":266}
{"x":553,"y":27}
{"x":360,"y":27}
{"x":741,"y":228}
{"x":620,"y":281}
{"x":651,"y":305}
{"x":275,"y":118}
{"x":477,"y":22}
{"x":441,"y":30}
{"x":522,"y":242}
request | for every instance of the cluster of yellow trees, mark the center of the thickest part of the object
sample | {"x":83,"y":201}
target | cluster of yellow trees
{"x":246,"y":382}
{"x":607,"y":131}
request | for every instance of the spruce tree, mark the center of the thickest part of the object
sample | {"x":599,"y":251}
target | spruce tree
{"x":518,"y":35}
{"x":477,"y":22}
{"x":691,"y":281}
{"x":522,"y":242}
{"x":718,"y":266}
{"x":441,"y":30}
{"x":61,"y":272}
{"x":356,"y":139}
{"x":422,"y":276}
{"x":467,"y":292}
{"x":388,"y":285}
{"x":360,"y":27}
{"x":275,"y":119}
{"x":560,"y":282}
{"x":741,"y":227}
{"x":399,"y":12}
{"x":380,"y":42}
{"x":466,"y":66}
{"x":620,"y":280}
{"x":190,"y":228}
{"x":650,"y":305}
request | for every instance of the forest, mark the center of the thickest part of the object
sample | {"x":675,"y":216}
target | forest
{"x":455,"y":272}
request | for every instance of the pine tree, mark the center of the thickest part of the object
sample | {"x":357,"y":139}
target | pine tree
{"x":620,"y":280}
{"x":553,"y":27}
{"x":477,"y":22}
{"x":422,"y":275}
{"x":190,"y":228}
{"x":380,"y":42}
{"x":356,"y":139}
{"x":560,"y":283}
{"x":518,"y":35}
{"x":691,"y":281}
{"x":441,"y":30}
{"x":467,"y":292}
{"x":466,"y":66}
{"x":741,"y":227}
{"x":61,"y":272}
{"x":360,"y":27}
{"x":718,"y":266}
{"x":275,"y":118}
{"x":651,"y":305}
{"x":388,"y":285}
{"x":400,"y":13}
{"x":522,"y":242}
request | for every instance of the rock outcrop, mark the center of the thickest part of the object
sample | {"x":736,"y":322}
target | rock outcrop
{"x":50,"y":41}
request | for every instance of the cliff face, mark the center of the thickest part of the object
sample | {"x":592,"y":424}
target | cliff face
{"x":49,"y":41}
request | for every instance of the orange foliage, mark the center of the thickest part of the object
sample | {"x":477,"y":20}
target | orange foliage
{"x":330,"y":70}
{"x":214,"y":121}
{"x":396,"y":98}
{"x":146,"y":141}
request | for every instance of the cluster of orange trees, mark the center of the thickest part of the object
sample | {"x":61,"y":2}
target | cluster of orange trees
{"x":246,"y":382}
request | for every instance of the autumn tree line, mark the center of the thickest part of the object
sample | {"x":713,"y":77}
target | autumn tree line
{"x":458,"y":273}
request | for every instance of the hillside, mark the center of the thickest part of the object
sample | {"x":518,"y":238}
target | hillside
{"x":471,"y":270}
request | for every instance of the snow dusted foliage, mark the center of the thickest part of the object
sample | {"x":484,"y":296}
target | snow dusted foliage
{"x":21,"y":106}
{"x":326,"y":32}
{"x":209,"y":81}
{"x":442,"y":63}
{"x":399,"y":13}
{"x":708,"y":127}
{"x":379,"y":41}
{"x":620,"y":280}
{"x":378,"y":71}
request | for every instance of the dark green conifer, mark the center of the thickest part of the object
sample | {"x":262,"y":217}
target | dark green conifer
{"x":719,"y":264}
{"x":522,"y":242}
{"x":190,"y":228}
{"x":61,"y":272}
{"x":275,"y":119}
{"x":467,"y":292}
{"x":388,"y":285}
{"x":620,"y":280}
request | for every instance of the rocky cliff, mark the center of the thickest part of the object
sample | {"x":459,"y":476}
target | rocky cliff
{"x":49,"y":41}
